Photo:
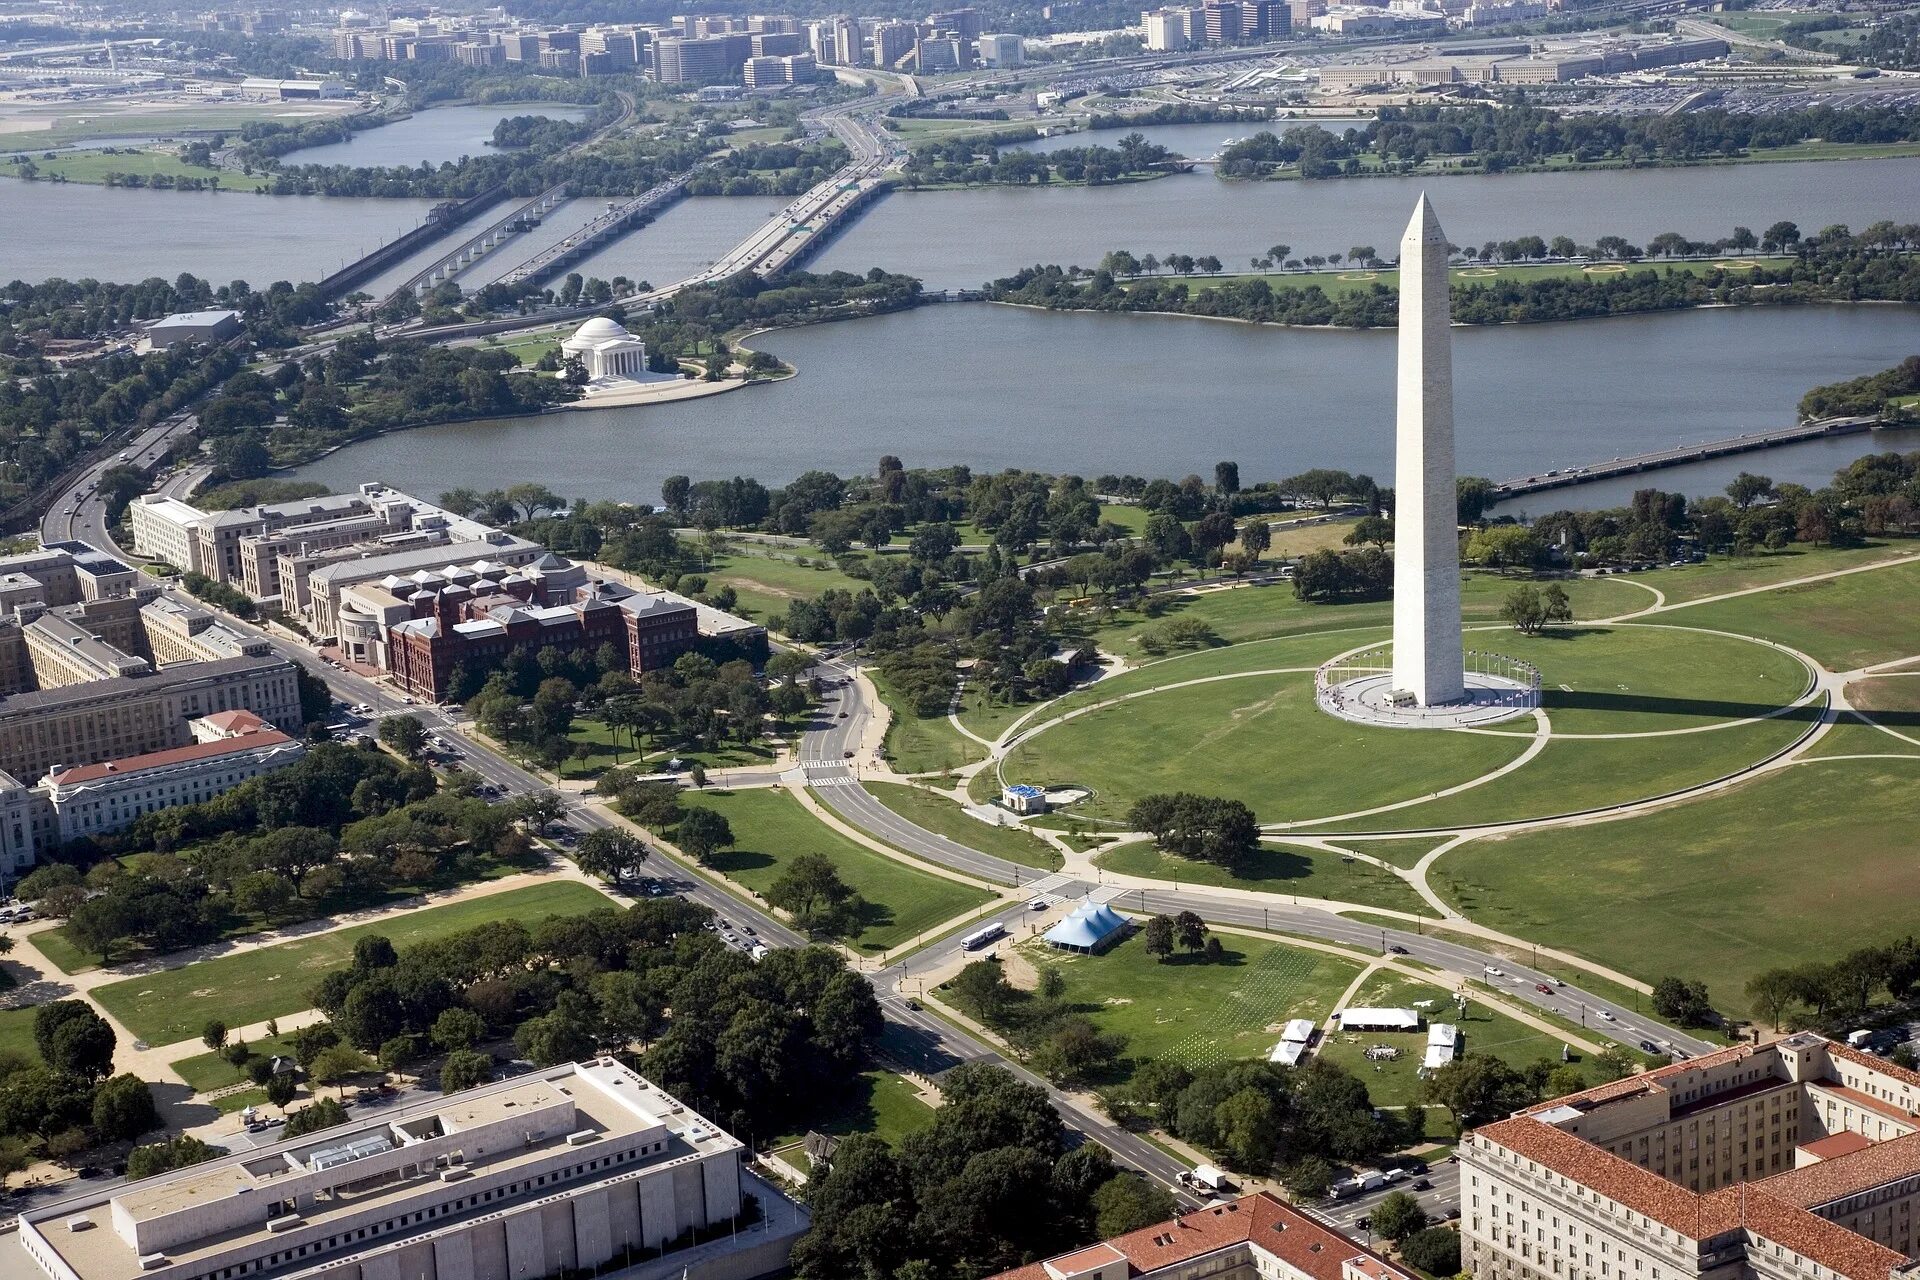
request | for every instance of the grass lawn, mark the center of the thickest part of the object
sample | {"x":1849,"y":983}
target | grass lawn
{"x":1397,"y":1082}
{"x":1344,"y":280}
{"x":1241,"y":613}
{"x":944,"y":817}
{"x":1893,"y":696}
{"x":94,"y":166}
{"x":1703,"y":890}
{"x":597,"y":735}
{"x":987,"y":717}
{"x":922,"y":744}
{"x":1844,"y":623}
{"x":66,"y":122}
{"x":1572,"y":775}
{"x":1194,"y":1012}
{"x":1721,"y":574}
{"x":875,"y":1102}
{"x":206,"y":1071}
{"x":1259,"y":739}
{"x":1852,"y":737}
{"x":1643,"y":679}
{"x":529,"y":347}
{"x":771,"y":827}
{"x":272,"y":982}
{"x":60,"y":948}
{"x":16,"y":1034}
{"x":1289,"y":869}
{"x":229,"y":1103}
{"x":767,"y":581}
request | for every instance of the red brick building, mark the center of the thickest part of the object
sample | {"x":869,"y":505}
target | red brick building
{"x":477,"y":626}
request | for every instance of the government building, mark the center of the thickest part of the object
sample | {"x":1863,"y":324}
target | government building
{"x":1256,"y":1237}
{"x":1796,"y":1160}
{"x":580,"y":1169}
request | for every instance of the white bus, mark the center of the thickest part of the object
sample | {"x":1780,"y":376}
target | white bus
{"x":981,"y":937}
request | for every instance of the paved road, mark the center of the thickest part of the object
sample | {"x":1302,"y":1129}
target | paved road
{"x":832,"y":777}
{"x":1438,"y":1199}
{"x":79,"y":513}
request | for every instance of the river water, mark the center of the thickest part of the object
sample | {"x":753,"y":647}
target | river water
{"x":125,"y":234}
{"x":994,"y":387}
{"x":443,"y":133}
{"x":960,"y":239}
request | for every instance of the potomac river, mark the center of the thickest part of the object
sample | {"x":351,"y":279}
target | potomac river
{"x":993,"y":387}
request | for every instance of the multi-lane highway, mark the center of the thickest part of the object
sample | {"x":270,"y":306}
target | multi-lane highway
{"x":79,"y":512}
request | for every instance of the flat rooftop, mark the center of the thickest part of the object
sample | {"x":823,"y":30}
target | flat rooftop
{"x":600,"y":1097}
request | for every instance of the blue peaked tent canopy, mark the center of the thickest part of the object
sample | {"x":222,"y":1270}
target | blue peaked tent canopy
{"x":1091,"y":925}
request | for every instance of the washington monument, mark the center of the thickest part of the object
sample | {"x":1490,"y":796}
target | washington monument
{"x":1427,"y":660}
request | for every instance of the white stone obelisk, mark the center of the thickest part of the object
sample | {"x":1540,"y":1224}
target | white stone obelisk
{"x":1427,"y":658}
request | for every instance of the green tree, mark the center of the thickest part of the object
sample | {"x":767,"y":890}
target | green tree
{"x":610,"y":853}
{"x":810,"y":888}
{"x":73,"y":1038}
{"x":1524,"y":610}
{"x":214,"y":1034}
{"x":465,"y":1069}
{"x":1376,"y":531}
{"x":281,"y":1088}
{"x":1127,"y":1202}
{"x":981,"y":988}
{"x":1478,"y":1088}
{"x":1159,"y":937}
{"x":1435,"y":1250}
{"x":315,"y":1116}
{"x":164,"y":1157}
{"x":405,"y":734}
{"x":1309,"y":1177}
{"x":457,"y":1029}
{"x":703,"y":832}
{"x":1397,"y":1216}
{"x":123,"y":1108}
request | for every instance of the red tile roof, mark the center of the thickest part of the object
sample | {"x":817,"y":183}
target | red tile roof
{"x":1751,"y":1206}
{"x":1852,"y":1164}
{"x":171,"y":756}
{"x":1261,"y":1220}
{"x":238,"y":721}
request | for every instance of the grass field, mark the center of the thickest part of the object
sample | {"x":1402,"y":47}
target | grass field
{"x":1259,"y":739}
{"x":58,"y":946}
{"x":1574,"y":775}
{"x":1797,"y":866}
{"x":1718,"y":575}
{"x":874,"y":1102}
{"x":944,"y":817}
{"x":1242,"y":613}
{"x":1643,"y":679}
{"x":1850,"y":737}
{"x":93,"y":167}
{"x":206,"y":1071}
{"x":922,"y":744}
{"x":1397,"y":1082}
{"x":771,"y":827}
{"x":1895,"y":694}
{"x":1194,"y":1012}
{"x":1844,"y":623}
{"x":1279,"y":869}
{"x":272,"y":982}
{"x":766,"y":582}
{"x":16,"y":1034}
{"x":595,"y":734}
{"x":52,"y":125}
{"x":1344,"y":280}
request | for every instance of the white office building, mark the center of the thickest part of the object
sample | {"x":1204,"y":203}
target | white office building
{"x":578,"y":1169}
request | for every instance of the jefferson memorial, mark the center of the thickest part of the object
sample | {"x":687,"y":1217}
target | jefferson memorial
{"x":607,"y":350}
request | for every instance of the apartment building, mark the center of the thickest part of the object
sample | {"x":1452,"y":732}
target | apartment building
{"x":1256,"y":1237}
{"x":228,"y":748}
{"x":110,"y":719}
{"x":572,"y":1169}
{"x":1797,"y":1160}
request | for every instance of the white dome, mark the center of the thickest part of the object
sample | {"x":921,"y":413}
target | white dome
{"x":599,"y":329}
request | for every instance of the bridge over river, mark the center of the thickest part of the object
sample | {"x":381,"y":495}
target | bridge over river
{"x":1681,"y":454}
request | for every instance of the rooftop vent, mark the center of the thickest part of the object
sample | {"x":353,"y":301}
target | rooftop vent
{"x":455,"y":1175}
{"x":152,"y":1261}
{"x":581,"y":1137}
{"x":287,"y":1223}
{"x":80,"y":1222}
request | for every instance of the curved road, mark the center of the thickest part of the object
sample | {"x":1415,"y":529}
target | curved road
{"x":823,"y":755}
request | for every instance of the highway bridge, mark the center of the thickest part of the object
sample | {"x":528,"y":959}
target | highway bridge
{"x":453,"y":262}
{"x":1682,"y":454}
{"x":620,"y":216}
